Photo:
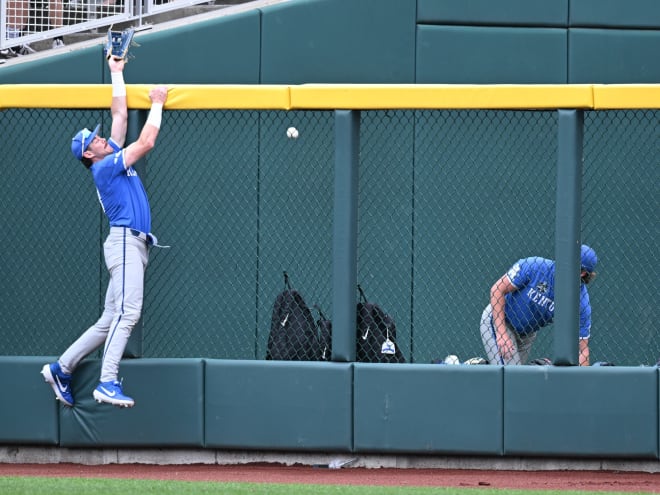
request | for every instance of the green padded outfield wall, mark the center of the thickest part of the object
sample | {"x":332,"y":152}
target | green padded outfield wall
{"x":278,"y":405}
{"x":157,"y":420}
{"x":29,"y":417}
{"x":334,"y":41}
{"x":343,"y":407}
{"x":609,"y":410}
{"x":416,"y":409}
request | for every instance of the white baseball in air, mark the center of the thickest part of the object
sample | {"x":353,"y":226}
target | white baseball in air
{"x":292,"y":133}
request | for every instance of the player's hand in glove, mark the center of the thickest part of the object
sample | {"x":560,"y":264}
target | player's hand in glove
{"x":116,"y":64}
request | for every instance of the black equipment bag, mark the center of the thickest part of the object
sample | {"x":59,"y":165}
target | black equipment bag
{"x":293,"y":335}
{"x":376,"y":334}
{"x":325,"y":335}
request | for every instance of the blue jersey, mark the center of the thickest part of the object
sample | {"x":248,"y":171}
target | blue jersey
{"x":532,"y":305}
{"x":121,"y":192}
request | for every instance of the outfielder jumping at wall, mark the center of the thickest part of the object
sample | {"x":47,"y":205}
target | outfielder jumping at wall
{"x":126,"y":249}
{"x":522,"y":302}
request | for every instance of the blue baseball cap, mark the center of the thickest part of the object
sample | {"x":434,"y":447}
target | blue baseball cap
{"x":588,"y":258}
{"x":81,"y":141}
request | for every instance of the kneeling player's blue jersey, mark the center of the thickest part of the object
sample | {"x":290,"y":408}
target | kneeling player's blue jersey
{"x":121,"y":192}
{"x":532,"y":305}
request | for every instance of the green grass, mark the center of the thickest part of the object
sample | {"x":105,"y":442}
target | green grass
{"x":103,"y":486}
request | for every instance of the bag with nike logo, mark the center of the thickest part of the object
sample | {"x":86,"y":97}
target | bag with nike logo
{"x":325,"y":335}
{"x":293,"y":335}
{"x":376,"y":334}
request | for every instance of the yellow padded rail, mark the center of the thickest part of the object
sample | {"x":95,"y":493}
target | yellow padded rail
{"x":341,"y":96}
{"x":184,"y":97}
{"x":437,"y":96}
{"x":626,"y":96}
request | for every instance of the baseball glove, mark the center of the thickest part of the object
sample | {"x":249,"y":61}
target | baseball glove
{"x":541,"y":362}
{"x":119,"y":43}
{"x":476,"y":360}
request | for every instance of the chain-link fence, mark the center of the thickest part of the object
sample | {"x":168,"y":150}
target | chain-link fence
{"x":448,"y":201}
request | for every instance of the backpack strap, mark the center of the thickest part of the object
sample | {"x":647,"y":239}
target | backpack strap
{"x":363,"y":298}
{"x":321,"y":315}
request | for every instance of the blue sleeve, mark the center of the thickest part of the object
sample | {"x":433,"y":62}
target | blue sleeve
{"x":518,"y":274}
{"x":585,"y":313}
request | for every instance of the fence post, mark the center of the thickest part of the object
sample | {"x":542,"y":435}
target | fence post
{"x":344,"y":243}
{"x":567,"y":237}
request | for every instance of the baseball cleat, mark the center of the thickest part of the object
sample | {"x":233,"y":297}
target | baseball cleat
{"x":111,"y":393}
{"x":59,"y":381}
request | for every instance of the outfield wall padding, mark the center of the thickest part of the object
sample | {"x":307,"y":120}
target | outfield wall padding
{"x":168,"y":412}
{"x":615,"y":13}
{"x":573,"y":411}
{"x":430,"y":409}
{"x":329,"y":41}
{"x":614,"y":56}
{"x":275,"y":405}
{"x":488,"y":12}
{"x":28,"y":416}
{"x":487,"y":55}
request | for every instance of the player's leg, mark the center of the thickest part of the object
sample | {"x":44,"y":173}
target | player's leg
{"x":488,"y":337}
{"x":126,"y":257}
{"x":127,"y":271}
{"x":524,"y":343}
{"x":93,"y":338}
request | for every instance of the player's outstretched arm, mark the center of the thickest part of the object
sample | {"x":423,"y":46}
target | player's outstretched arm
{"x":497,"y":301}
{"x":147,"y":139}
{"x":118,"y":108}
{"x":584,"y":352}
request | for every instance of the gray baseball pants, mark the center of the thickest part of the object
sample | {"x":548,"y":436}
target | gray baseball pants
{"x":522,"y":343}
{"x":126,"y":258}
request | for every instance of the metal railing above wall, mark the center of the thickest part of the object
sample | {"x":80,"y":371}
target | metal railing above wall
{"x":28,"y":21}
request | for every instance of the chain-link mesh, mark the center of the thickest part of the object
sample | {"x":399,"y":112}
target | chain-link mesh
{"x":620,"y":210}
{"x":243,"y":204}
{"x":435,"y":228}
{"x":448,"y":202}
{"x":51,"y":261}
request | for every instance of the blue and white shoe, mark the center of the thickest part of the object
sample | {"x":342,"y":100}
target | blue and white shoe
{"x":60,"y":381}
{"x":111,"y":393}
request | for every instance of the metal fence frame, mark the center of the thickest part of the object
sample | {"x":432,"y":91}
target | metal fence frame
{"x":84,"y":15}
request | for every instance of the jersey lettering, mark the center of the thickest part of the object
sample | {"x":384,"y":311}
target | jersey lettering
{"x":539,"y":299}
